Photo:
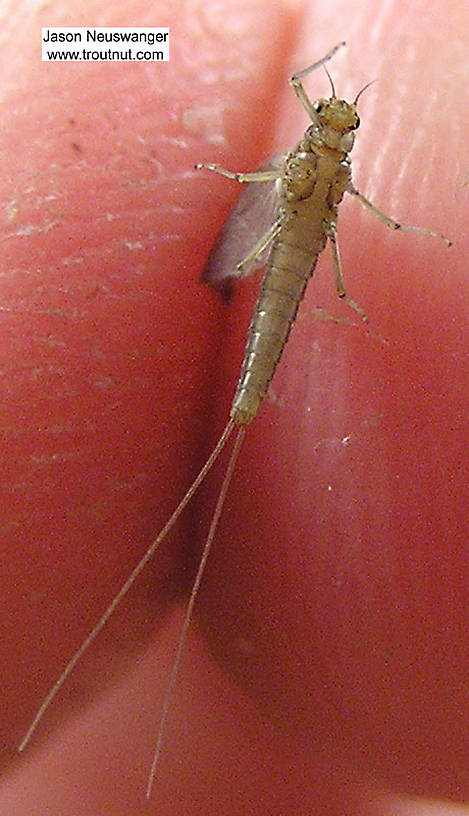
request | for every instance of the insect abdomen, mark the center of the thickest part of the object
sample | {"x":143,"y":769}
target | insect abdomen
{"x":282,"y":290}
{"x":312,"y":186}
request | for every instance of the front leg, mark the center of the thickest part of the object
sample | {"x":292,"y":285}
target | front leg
{"x":297,"y":85}
{"x":390,"y":222}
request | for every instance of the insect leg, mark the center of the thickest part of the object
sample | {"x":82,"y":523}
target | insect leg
{"x":295,"y":82}
{"x":256,"y":175}
{"x":390,"y":222}
{"x":338,"y":274}
{"x":259,"y":247}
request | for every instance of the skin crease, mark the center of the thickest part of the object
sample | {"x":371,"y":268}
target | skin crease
{"x":334,"y":604}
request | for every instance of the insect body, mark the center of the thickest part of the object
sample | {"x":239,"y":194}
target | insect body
{"x":310,"y":183}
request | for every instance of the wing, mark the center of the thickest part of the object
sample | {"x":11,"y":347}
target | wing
{"x":250,"y":218}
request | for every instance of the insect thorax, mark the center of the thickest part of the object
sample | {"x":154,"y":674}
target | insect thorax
{"x":323,"y":152}
{"x":320,"y":173}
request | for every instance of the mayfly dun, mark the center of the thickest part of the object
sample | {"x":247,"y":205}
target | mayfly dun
{"x":307,"y":183}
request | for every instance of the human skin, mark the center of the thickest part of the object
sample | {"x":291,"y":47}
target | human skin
{"x":334,"y":605}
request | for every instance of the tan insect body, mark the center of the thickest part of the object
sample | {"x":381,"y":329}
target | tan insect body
{"x":313,"y":181}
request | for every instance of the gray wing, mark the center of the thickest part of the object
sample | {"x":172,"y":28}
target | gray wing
{"x":252,"y":215}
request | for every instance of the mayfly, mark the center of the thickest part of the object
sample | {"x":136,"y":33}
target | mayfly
{"x":309,"y":183}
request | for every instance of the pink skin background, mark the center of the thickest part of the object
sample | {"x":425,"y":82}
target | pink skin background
{"x":327,"y":670}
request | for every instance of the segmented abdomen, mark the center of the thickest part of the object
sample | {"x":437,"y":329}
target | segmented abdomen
{"x":289,"y":269}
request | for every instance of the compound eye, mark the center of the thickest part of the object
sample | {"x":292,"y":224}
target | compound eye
{"x":318,"y":106}
{"x":357,"y":123}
